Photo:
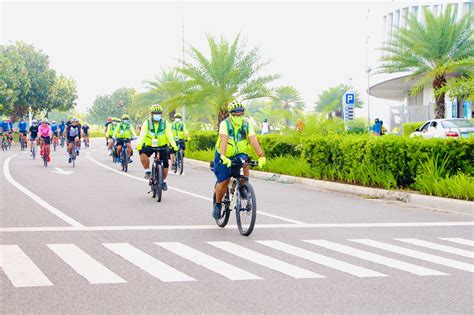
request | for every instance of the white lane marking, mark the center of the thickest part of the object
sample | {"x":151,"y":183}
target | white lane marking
{"x":213,"y":227}
{"x":266,"y":261}
{"x":62,"y":172}
{"x":41,"y":202}
{"x":218,"y":266}
{"x":386,"y":261}
{"x":20,"y":269}
{"x":435,"y":246}
{"x":417,"y":254}
{"x":147,"y":263}
{"x":322,"y":260}
{"x":187,"y":192}
{"x":84,"y":264}
{"x":461,"y":241}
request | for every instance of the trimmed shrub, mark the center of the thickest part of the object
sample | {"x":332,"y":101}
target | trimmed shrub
{"x":202,"y":140}
{"x":409,"y":128}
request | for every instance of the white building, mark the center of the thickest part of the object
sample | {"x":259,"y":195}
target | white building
{"x":395,"y":87}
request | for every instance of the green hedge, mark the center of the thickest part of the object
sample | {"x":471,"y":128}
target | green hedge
{"x":390,"y":161}
{"x":409,"y":128}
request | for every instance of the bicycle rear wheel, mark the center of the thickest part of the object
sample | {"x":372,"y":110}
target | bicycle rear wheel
{"x":124,"y":157}
{"x":180,"y":162}
{"x":33,"y":151}
{"x":225,"y":214}
{"x":246,"y":210}
{"x":159,"y":182}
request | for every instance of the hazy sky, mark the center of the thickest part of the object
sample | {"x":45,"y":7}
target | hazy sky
{"x":110,"y":44}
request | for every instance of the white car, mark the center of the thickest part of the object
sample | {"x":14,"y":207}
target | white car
{"x":454,"y":128}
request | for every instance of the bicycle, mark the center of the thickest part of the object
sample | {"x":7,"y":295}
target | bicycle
{"x":156,"y":178}
{"x":33,"y":148}
{"x":86,"y":141}
{"x":74,"y":154}
{"x":240,"y":196}
{"x":4,"y":143}
{"x":45,"y":154}
{"x":9,"y":140}
{"x":179,"y":158}
{"x":23,"y":145}
{"x":62,"y":140}
{"x":55,"y":143}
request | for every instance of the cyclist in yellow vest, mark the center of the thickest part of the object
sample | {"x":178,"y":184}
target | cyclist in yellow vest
{"x":235,"y":135}
{"x":156,"y":133}
{"x":110,"y":133}
{"x":180,"y":134}
{"x":123,"y":134}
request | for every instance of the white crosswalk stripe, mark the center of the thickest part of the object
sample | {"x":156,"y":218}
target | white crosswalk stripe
{"x":147,"y":263}
{"x":417,"y":254}
{"x":84,"y":264}
{"x":20,"y":269}
{"x":461,"y":241}
{"x":435,"y":246}
{"x":322,"y":260}
{"x":218,"y":266}
{"x":266,"y":261}
{"x":379,"y":259}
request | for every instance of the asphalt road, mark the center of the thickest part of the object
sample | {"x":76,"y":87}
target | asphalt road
{"x":91,"y":240}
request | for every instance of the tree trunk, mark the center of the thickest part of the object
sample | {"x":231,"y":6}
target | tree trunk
{"x":440,"y":108}
{"x":287,"y":108}
{"x":223,"y":114}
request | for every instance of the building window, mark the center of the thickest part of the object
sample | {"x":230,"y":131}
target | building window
{"x":404,"y":17}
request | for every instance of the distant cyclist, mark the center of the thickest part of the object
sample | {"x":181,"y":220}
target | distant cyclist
{"x":45,"y":138}
{"x":85,"y":130}
{"x":55,"y":129}
{"x":22,"y":127}
{"x":73,"y":135}
{"x":180,"y":135}
{"x":109,"y":121}
{"x":8,"y":129}
{"x":155,"y":134}
{"x":110,"y":134}
{"x":235,"y":135}
{"x":124,"y":133}
{"x":34,"y":129}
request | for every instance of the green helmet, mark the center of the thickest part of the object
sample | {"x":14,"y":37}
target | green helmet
{"x":236,"y":106}
{"x":125,"y":117}
{"x":178,"y":115}
{"x":156,"y":108}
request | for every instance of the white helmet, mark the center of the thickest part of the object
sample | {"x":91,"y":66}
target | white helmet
{"x":45,"y":120}
{"x":34,"y":122}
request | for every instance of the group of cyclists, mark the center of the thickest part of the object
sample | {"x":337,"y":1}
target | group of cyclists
{"x":236,"y":135}
{"x":42,"y":133}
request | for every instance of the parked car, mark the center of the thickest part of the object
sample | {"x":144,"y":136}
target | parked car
{"x":445,"y":128}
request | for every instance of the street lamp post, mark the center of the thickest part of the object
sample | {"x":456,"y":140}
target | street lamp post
{"x":368,"y":98}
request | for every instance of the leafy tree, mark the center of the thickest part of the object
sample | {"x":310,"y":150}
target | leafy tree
{"x":114,"y":105}
{"x":330,"y":101}
{"x":431,"y":50}
{"x":62,"y":95}
{"x":230,"y":72}
{"x":459,"y":87}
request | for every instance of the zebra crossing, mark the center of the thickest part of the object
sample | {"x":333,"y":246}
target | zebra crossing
{"x":22,"y":271}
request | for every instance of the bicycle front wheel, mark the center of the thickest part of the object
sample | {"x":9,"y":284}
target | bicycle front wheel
{"x":124,"y":159}
{"x":159,"y":182}
{"x":246,"y":209}
{"x":180,"y":162}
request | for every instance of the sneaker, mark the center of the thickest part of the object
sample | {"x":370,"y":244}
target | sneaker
{"x":69,"y":160}
{"x":110,"y":152}
{"x":130,"y":160}
{"x":216,"y":214}
{"x":164,"y":186}
{"x":147,"y":174}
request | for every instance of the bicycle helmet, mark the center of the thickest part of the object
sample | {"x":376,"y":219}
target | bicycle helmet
{"x":34,"y":122}
{"x":236,"y":106}
{"x":53,"y":122}
{"x":75,"y":119}
{"x":125,"y":117}
{"x":156,"y":108}
{"x":178,"y":115}
{"x":45,"y":120}
{"x":109,"y":119}
{"x":115,"y":119}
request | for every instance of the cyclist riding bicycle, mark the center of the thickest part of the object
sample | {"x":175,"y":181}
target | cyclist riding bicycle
{"x":180,"y":134}
{"x":34,"y":129}
{"x":55,"y":129}
{"x":235,"y":134}
{"x":8,"y":129}
{"x":109,"y":121}
{"x":22,"y":127}
{"x":73,"y":135}
{"x":110,"y":134}
{"x":124,"y":133}
{"x":85,"y":130}
{"x":45,"y":133}
{"x":155,"y":134}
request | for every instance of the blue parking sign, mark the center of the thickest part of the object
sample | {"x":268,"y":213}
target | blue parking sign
{"x":350,"y":99}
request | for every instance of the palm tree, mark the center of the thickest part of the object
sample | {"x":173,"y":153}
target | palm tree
{"x":330,"y":100}
{"x":229,"y":73}
{"x":431,"y":50}
{"x":287,"y":98}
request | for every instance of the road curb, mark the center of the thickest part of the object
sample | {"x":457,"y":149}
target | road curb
{"x":415,"y":199}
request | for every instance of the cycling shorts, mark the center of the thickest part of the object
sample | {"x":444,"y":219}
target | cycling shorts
{"x":163,"y":151}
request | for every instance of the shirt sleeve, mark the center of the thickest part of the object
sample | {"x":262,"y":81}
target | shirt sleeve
{"x":115,"y":132}
{"x":143,"y":131}
{"x":223,"y":128}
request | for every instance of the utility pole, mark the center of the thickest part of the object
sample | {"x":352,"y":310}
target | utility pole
{"x":183,"y":63}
